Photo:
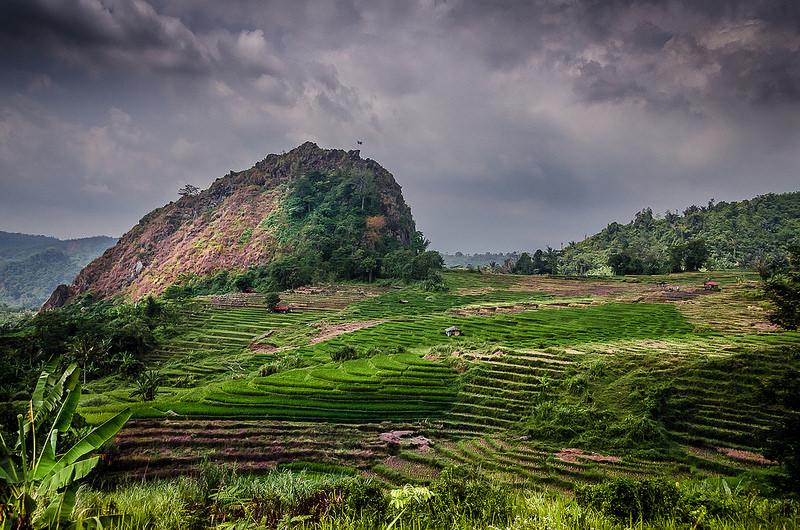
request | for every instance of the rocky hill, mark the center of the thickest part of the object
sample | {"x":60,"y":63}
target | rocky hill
{"x":328,"y":207}
{"x":31,"y":266}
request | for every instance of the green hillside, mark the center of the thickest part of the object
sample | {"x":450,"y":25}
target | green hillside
{"x":31,"y":266}
{"x":740,"y":234}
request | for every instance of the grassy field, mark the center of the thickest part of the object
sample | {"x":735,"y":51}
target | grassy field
{"x":553,"y":383}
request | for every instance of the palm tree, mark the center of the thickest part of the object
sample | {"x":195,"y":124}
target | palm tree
{"x":86,"y":349}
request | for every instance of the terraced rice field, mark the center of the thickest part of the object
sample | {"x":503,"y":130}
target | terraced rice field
{"x":532,"y":350}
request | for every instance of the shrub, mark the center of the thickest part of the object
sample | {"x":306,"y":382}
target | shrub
{"x":364,"y":497}
{"x":563,"y":421}
{"x":282,"y":494}
{"x":147,"y":385}
{"x":628,"y":499}
{"x":345,"y":353}
{"x":272,"y":299}
{"x":281,"y":364}
{"x":466,"y":492}
{"x":637,"y":429}
{"x":373,"y":351}
{"x":434,"y":282}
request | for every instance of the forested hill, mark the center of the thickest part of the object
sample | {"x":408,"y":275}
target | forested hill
{"x":31,"y":266}
{"x":749,"y":233}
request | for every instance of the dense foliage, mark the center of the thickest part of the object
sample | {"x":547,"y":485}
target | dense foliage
{"x":221,"y":498}
{"x":783,"y":290}
{"x":542,"y":262}
{"x":41,"y":472}
{"x":460,"y":499}
{"x":699,"y":505}
{"x":724,"y":235}
{"x":102,"y":338}
{"x":630,"y":499}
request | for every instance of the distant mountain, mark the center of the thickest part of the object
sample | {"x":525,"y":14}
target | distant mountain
{"x":309,"y":214}
{"x":32,"y":266}
{"x":746,"y":233}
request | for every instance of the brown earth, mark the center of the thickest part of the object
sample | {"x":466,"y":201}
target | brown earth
{"x":748,"y":457}
{"x":331,"y":331}
{"x":573,"y":455}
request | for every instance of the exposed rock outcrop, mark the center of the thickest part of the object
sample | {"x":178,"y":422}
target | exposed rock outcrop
{"x":59,"y":297}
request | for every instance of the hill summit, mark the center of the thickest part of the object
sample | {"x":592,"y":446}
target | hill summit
{"x":326,"y":208}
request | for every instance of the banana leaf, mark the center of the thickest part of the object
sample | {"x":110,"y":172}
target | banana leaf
{"x":63,"y":420}
{"x":95,"y":439}
{"x":66,"y":476}
{"x":58,"y":512}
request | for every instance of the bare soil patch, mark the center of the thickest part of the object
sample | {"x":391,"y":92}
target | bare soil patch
{"x":474,"y":291}
{"x":766,"y":326}
{"x":330,"y":331}
{"x":572,"y":454}
{"x":576,"y":288}
{"x":748,"y":457}
{"x":264,"y":348}
{"x":493,"y":310}
{"x":419,"y":442}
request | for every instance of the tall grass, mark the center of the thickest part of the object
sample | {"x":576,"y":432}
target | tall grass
{"x":169,"y":505}
{"x":459,"y":499}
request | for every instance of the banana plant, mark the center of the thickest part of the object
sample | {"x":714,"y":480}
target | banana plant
{"x":36,"y":472}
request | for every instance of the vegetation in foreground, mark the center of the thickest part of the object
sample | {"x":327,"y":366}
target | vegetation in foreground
{"x":463,"y":498}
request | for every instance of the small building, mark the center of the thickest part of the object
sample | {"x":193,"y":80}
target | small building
{"x":281,"y":309}
{"x":452,"y":331}
{"x":711,"y":286}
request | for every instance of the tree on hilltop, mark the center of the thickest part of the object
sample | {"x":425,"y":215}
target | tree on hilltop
{"x":189,"y":191}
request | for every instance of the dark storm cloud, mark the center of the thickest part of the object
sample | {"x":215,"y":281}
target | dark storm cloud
{"x":509,"y":124}
{"x":116,"y":33}
{"x":708,"y":52}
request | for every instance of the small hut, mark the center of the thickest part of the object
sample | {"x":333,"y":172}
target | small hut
{"x":283,"y":309}
{"x":711,"y":286}
{"x":452,"y":331}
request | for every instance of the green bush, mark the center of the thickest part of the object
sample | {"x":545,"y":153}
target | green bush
{"x":272,"y":299}
{"x":637,"y":429}
{"x":266,"y":501}
{"x":364,"y":497}
{"x":628,"y":499}
{"x":345,"y":353}
{"x":147,"y":385}
{"x":465,"y":493}
{"x":281,"y":364}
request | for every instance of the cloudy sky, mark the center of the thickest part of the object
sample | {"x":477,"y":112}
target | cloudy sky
{"x":510,"y":125}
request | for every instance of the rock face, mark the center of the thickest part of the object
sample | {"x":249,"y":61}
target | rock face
{"x":229,"y":226}
{"x":59,"y":297}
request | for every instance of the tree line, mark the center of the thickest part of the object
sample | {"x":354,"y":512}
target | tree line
{"x":751,"y":234}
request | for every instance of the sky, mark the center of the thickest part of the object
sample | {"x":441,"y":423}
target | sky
{"x":509,"y":125}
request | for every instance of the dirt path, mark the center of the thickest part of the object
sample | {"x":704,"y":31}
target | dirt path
{"x":329,"y":332}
